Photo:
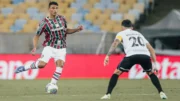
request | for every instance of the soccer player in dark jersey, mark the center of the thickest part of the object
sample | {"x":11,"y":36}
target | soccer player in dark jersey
{"x":55,"y":29}
{"x":138,"y":51}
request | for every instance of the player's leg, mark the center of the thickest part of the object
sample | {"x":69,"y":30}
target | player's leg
{"x":40,"y":63}
{"x":59,"y":60}
{"x":112,"y":83}
{"x":147,"y":66}
{"x":124,"y":66}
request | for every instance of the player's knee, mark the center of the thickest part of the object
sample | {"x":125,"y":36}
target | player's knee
{"x":118,"y":72}
{"x":149,"y":73}
{"x":60,"y":63}
{"x":41,"y":64}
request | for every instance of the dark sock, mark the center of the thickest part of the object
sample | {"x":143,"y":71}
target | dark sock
{"x":112,"y":83}
{"x":156,"y":82}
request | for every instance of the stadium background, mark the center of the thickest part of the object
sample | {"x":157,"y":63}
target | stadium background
{"x":158,"y":20}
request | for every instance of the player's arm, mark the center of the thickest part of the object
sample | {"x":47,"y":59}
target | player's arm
{"x":117,"y":40}
{"x":35,"y":41}
{"x":152,"y":52}
{"x":71,"y":31}
{"x":40,"y":30}
{"x":113,"y":46}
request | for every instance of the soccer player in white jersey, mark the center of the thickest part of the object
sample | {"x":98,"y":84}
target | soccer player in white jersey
{"x":138,"y":51}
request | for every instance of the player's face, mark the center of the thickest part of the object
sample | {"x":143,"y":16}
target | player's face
{"x":53,"y":9}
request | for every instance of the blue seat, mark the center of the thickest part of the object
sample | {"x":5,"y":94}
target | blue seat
{"x":76,"y":6}
{"x":145,"y":2}
{"x":94,"y":28}
{"x":135,"y":12}
{"x":38,"y":16}
{"x":83,"y":11}
{"x":81,"y":2}
{"x":19,"y":23}
{"x":113,"y":6}
{"x":17,"y":1}
{"x":105,"y":2}
{"x":116,"y":16}
{"x":100,"y":6}
{"x":15,"y":28}
{"x":77,"y":17}
{"x":6,"y":11}
{"x":32,"y":11}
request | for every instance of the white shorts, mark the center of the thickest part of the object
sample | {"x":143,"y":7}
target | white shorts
{"x":50,"y":52}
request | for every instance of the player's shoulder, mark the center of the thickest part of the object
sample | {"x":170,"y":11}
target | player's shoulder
{"x":121,"y":32}
{"x":43,"y":21}
{"x":61,"y":16}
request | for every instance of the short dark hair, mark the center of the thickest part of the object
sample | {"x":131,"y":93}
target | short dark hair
{"x":53,"y":3}
{"x":126,"y":23}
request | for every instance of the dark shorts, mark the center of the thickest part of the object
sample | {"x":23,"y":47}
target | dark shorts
{"x":128,"y":62}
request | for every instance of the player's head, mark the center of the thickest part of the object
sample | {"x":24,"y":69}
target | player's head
{"x":53,"y":8}
{"x":126,"y":24}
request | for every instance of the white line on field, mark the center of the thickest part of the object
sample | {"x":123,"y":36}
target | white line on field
{"x":143,"y":94}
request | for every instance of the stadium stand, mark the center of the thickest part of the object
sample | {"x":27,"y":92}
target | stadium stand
{"x":95,"y":15}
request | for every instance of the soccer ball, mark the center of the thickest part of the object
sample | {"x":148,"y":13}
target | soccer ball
{"x":51,"y":88}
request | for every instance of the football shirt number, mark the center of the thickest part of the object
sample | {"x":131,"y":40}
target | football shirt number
{"x":137,"y":41}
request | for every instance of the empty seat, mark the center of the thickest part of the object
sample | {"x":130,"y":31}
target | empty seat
{"x":6,"y":11}
{"x":17,"y":1}
{"x":116,"y":16}
{"x":93,"y":1}
{"x":131,"y":17}
{"x":140,"y":7}
{"x":99,"y":6}
{"x":81,"y":2}
{"x":88,"y":6}
{"x":120,"y":1}
{"x":77,"y":17}
{"x":106,"y":27}
{"x":117,"y":28}
{"x":38,"y":16}
{"x":94,"y":28}
{"x":32,"y":10}
{"x":90,"y":17}
{"x":113,"y":6}
{"x":108,"y":11}
{"x":12,"y":16}
{"x":124,"y":8}
{"x":98,"y":22}
{"x":95,"y":11}
{"x":135,"y":12}
{"x":103,"y":17}
{"x":105,"y":2}
{"x":23,"y":16}
{"x":19,"y":23}
{"x":110,"y":22}
{"x":76,"y":6}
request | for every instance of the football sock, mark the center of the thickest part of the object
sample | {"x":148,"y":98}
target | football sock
{"x":34,"y":65}
{"x":156,"y":82}
{"x":56,"y":75}
{"x":112,"y":83}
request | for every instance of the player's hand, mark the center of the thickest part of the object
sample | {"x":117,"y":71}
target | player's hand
{"x":33,"y":51}
{"x":106,"y":61}
{"x":154,"y":66}
{"x":80,"y":28}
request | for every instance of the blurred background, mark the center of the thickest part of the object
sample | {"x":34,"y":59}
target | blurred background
{"x":158,"y":20}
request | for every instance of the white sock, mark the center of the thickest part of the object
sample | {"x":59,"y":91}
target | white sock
{"x":34,"y":65}
{"x":56,"y":75}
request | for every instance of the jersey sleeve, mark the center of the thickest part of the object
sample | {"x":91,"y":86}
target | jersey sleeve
{"x":144,"y":39}
{"x":65,"y":21}
{"x":119,"y":37}
{"x":41,"y":28}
